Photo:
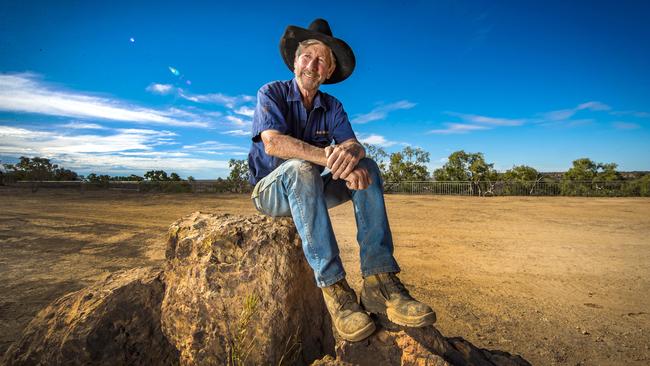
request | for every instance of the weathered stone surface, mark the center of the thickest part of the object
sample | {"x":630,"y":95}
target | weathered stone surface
{"x":116,"y":321}
{"x":416,"y":347}
{"x":214,"y":263}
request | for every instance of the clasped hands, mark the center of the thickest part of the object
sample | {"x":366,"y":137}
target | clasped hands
{"x":342,"y":161}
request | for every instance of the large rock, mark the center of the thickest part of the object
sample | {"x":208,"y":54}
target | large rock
{"x":240,"y":288}
{"x":116,"y":321}
{"x":416,"y":347}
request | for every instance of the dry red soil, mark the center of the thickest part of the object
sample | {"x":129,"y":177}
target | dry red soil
{"x":556,"y":280}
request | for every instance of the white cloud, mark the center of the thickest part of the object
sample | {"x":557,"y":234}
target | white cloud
{"x":473,"y":118}
{"x":377,"y":140}
{"x":218,"y":98}
{"x":565,"y":114}
{"x":82,"y":126}
{"x":125,"y":151}
{"x":23,"y":93}
{"x":625,"y":125}
{"x":21,"y":141}
{"x":239,"y":122}
{"x":382,"y":111}
{"x":594,"y":106}
{"x":160,"y":88}
{"x":455,"y":128}
{"x":245,"y":111}
{"x":212,"y":146}
{"x":237,"y":133}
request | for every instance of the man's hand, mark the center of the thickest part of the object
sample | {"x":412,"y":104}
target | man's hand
{"x":343,"y":159}
{"x":358,"y":179}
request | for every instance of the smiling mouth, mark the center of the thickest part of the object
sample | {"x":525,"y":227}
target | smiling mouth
{"x":310,"y":75}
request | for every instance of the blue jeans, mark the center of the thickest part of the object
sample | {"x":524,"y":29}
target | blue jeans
{"x":298,"y":189}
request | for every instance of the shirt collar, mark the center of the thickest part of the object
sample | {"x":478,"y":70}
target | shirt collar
{"x":294,"y":96}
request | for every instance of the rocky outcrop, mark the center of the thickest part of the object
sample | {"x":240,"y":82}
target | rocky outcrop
{"x":240,"y":287}
{"x":115,"y":321}
{"x":416,"y":347}
{"x":234,"y":290}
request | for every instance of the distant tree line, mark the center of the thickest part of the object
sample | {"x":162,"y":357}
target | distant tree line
{"x":410,"y":164}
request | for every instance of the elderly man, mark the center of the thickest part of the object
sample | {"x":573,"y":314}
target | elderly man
{"x":294,"y":126}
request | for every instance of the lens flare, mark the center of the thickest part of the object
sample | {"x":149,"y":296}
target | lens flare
{"x":174,"y":71}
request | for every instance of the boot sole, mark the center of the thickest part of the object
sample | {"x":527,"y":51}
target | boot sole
{"x":359,"y":335}
{"x":411,"y":321}
{"x":405,"y":321}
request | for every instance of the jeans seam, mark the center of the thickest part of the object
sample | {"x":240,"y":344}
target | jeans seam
{"x":307,"y":231}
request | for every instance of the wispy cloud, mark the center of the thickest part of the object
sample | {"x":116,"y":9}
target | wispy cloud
{"x":456,"y":128}
{"x":239,"y":122}
{"x":625,"y":125}
{"x":377,"y":140}
{"x":210,"y":147}
{"x":237,"y":133}
{"x":123,"y":151}
{"x":381,"y":112}
{"x":245,"y":111}
{"x":160,"y":88}
{"x":631,"y":113}
{"x":22,"y":141}
{"x":218,"y":98}
{"x":25,"y":93}
{"x":82,"y":126}
{"x":484,"y":120}
{"x":565,"y":114}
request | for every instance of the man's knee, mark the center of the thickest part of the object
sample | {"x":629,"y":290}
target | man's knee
{"x":369,"y":165}
{"x":302,"y":170}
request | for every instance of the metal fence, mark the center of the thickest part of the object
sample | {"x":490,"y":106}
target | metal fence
{"x":633,"y":188}
{"x":629,"y":188}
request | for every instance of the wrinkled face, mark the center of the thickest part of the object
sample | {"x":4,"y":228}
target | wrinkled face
{"x":313,"y":66}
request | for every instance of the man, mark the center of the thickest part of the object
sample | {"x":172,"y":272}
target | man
{"x":294,"y":126}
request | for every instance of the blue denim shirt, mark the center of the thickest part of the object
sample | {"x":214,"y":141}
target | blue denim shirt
{"x":279,"y":107}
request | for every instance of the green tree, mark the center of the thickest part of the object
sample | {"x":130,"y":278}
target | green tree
{"x":408,"y":165}
{"x":238,"y":177}
{"x":156,"y":176}
{"x":521,"y":173}
{"x":39,"y":169}
{"x":174,"y":177}
{"x":463,"y":166}
{"x":585,"y":176}
{"x":379,"y":155}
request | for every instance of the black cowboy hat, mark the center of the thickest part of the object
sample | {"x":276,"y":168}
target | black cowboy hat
{"x":318,"y":29}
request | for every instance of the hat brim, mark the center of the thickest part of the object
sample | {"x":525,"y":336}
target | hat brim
{"x":345,"y":61}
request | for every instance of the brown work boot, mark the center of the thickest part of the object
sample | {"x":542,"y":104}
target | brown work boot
{"x":384,"y":294}
{"x":350,"y":321}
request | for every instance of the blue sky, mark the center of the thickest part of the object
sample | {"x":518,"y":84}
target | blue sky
{"x":124,"y":87}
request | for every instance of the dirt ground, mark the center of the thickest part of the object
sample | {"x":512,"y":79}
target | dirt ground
{"x":556,"y":280}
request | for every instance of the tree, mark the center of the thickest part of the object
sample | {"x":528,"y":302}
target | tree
{"x":584,"y":177}
{"x":408,"y":165}
{"x":238,"y":177}
{"x":156,"y":176}
{"x":39,"y":169}
{"x":463,"y":166}
{"x":584,"y":169}
{"x":174,"y":177}
{"x":379,"y":155}
{"x":521,"y":173}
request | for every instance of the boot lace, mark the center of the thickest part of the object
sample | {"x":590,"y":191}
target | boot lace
{"x":394,"y":285}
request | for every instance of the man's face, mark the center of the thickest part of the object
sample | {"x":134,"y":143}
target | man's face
{"x":313,"y":66}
